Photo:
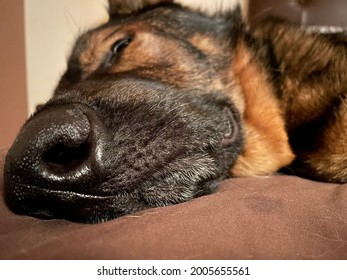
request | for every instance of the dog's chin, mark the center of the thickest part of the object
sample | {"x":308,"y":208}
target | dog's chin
{"x":86,"y":208}
{"x":76,"y":207}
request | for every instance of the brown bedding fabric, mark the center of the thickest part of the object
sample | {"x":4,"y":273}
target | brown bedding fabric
{"x":278,"y":217}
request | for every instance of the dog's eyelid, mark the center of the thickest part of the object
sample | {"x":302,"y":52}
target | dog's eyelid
{"x":115,"y":50}
{"x":120,"y":44}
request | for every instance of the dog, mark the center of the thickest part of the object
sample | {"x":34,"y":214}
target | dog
{"x":161,"y":103}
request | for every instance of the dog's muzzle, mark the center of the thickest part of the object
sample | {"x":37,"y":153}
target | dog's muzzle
{"x":95,"y":153}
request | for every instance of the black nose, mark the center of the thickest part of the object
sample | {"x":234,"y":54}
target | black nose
{"x":55,"y":152}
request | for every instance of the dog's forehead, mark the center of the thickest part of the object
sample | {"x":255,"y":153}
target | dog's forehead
{"x":125,"y":7}
{"x":165,"y":15}
{"x":159,"y":19}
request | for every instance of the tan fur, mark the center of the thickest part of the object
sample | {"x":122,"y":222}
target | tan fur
{"x":92,"y":56}
{"x":205,"y":44}
{"x":266,"y":142}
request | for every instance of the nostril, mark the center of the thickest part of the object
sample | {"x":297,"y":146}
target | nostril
{"x":62,"y":158}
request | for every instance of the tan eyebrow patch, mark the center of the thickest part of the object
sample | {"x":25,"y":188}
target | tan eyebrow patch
{"x":205,"y":44}
{"x":98,"y":45}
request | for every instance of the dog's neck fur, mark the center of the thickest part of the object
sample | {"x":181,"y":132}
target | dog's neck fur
{"x":266,"y":142}
{"x":292,"y":81}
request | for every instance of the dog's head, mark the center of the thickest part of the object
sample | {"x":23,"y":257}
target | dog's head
{"x":140,"y":119}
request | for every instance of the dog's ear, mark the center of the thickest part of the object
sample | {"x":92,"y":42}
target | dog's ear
{"x":125,"y":7}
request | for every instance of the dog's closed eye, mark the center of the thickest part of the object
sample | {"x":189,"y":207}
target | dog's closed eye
{"x":115,"y":50}
{"x":119,"y":45}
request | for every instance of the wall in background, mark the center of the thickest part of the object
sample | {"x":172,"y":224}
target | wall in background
{"x":13,"y":106}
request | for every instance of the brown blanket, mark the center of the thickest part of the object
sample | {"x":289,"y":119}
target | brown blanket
{"x":279,"y":217}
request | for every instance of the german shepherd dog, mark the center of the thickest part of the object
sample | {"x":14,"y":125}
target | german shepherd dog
{"x":161,"y":103}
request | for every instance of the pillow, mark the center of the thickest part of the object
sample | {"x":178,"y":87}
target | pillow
{"x":277,"y":217}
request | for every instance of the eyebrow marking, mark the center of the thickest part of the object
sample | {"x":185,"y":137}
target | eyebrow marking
{"x":106,"y":38}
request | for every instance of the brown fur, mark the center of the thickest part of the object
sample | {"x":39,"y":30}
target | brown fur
{"x":313,"y":94}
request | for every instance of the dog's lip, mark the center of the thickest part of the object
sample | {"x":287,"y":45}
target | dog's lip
{"x":69,"y":194}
